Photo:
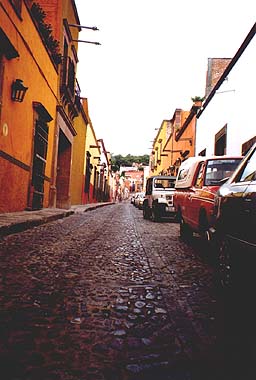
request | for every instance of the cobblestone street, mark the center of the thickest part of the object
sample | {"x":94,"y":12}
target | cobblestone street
{"x":107,"y":295}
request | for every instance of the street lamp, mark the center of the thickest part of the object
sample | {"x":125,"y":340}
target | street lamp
{"x":18,"y":91}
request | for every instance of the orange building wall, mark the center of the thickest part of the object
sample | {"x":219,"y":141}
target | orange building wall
{"x":36,"y":70}
{"x":182,"y":144}
{"x":56,"y":11}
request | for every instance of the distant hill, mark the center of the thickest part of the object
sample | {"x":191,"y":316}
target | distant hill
{"x":129,"y":160}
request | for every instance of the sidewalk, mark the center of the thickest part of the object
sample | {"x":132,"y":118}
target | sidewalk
{"x":13,"y":222}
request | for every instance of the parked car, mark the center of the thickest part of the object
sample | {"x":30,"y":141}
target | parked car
{"x":197,"y":182}
{"x":158,"y":201}
{"x":135,"y":197}
{"x":235,"y":226}
{"x":138,"y":200}
{"x":132,"y":198}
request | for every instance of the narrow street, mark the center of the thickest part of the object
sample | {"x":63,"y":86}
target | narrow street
{"x":107,"y":295}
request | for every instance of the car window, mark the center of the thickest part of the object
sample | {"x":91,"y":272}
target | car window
{"x":219,"y":169}
{"x":199,"y":179}
{"x":183,"y":173}
{"x":248,"y":173}
{"x":163,"y":183}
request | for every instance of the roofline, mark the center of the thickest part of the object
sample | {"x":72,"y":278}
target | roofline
{"x":193,"y":111}
{"x":230,"y":66}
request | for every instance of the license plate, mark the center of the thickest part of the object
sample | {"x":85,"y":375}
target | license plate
{"x":170,"y":209}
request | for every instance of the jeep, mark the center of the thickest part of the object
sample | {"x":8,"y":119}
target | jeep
{"x":158,"y":202}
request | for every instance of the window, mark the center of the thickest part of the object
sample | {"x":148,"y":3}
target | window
{"x":88,"y":172}
{"x":247,"y":145}
{"x":68,"y":72}
{"x":217,"y":170}
{"x":164,"y":183}
{"x":64,"y":63}
{"x":17,"y":6}
{"x":221,"y":142}
{"x":202,"y":153}
{"x":199,"y":180}
{"x":6,"y":46}
{"x":71,"y":76}
{"x":183,"y":174}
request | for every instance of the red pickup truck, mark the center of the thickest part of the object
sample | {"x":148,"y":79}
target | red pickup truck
{"x":197,"y":182}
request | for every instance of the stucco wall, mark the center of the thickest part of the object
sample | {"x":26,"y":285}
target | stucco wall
{"x":232,"y":105}
{"x":78,"y":161}
{"x":36,"y":69}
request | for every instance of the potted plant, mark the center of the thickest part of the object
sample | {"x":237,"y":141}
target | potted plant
{"x":197,"y":100}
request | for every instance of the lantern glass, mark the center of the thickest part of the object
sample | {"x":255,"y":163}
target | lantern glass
{"x":18,"y":91}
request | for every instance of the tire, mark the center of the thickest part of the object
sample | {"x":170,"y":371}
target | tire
{"x":185,"y":231}
{"x":146,"y":212}
{"x":206,"y":238}
{"x":155,"y":214}
{"x":226,"y":265}
{"x":204,"y":227}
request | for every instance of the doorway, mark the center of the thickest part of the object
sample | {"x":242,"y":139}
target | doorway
{"x":63,"y":172}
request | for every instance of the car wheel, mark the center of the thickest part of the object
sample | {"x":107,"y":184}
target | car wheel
{"x":206,"y":237}
{"x":155,"y":214}
{"x":185,"y":231}
{"x":204,"y":228}
{"x":146,"y":212}
{"x":225,"y":265}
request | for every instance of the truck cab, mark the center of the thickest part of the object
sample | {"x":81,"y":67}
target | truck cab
{"x":197,"y":182}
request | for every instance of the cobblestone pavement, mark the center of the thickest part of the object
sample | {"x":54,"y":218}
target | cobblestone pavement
{"x":106,"y":295}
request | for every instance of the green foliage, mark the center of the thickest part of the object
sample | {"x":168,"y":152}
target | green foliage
{"x":197,"y":99}
{"x":46,"y":32}
{"x":119,"y":160}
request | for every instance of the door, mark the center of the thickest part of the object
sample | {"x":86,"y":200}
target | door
{"x":193,"y":200}
{"x":63,"y":171}
{"x":39,"y":163}
{"x":240,"y":208}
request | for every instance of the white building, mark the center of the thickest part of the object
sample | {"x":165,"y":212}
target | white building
{"x":226,"y":122}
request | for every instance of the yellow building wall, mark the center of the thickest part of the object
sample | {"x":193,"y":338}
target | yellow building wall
{"x":167,"y":153}
{"x":78,"y":161}
{"x":36,"y":70}
{"x":91,"y":146}
{"x":158,"y":147}
{"x":91,"y":142}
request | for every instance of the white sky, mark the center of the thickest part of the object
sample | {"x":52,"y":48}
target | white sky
{"x":152,"y":60}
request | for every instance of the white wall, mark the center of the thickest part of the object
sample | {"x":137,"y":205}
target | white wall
{"x":233,"y":104}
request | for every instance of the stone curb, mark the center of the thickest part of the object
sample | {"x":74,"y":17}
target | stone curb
{"x":20,"y":222}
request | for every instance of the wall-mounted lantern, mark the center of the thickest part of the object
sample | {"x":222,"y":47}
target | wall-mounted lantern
{"x":18,"y":91}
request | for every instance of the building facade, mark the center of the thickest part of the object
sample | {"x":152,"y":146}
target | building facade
{"x":62,"y":15}
{"x":174,"y":142}
{"x":28,"y":101}
{"x":49,"y":152}
{"x":224,"y":123}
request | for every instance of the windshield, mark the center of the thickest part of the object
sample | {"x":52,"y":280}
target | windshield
{"x":217,"y":170}
{"x":164,"y":183}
